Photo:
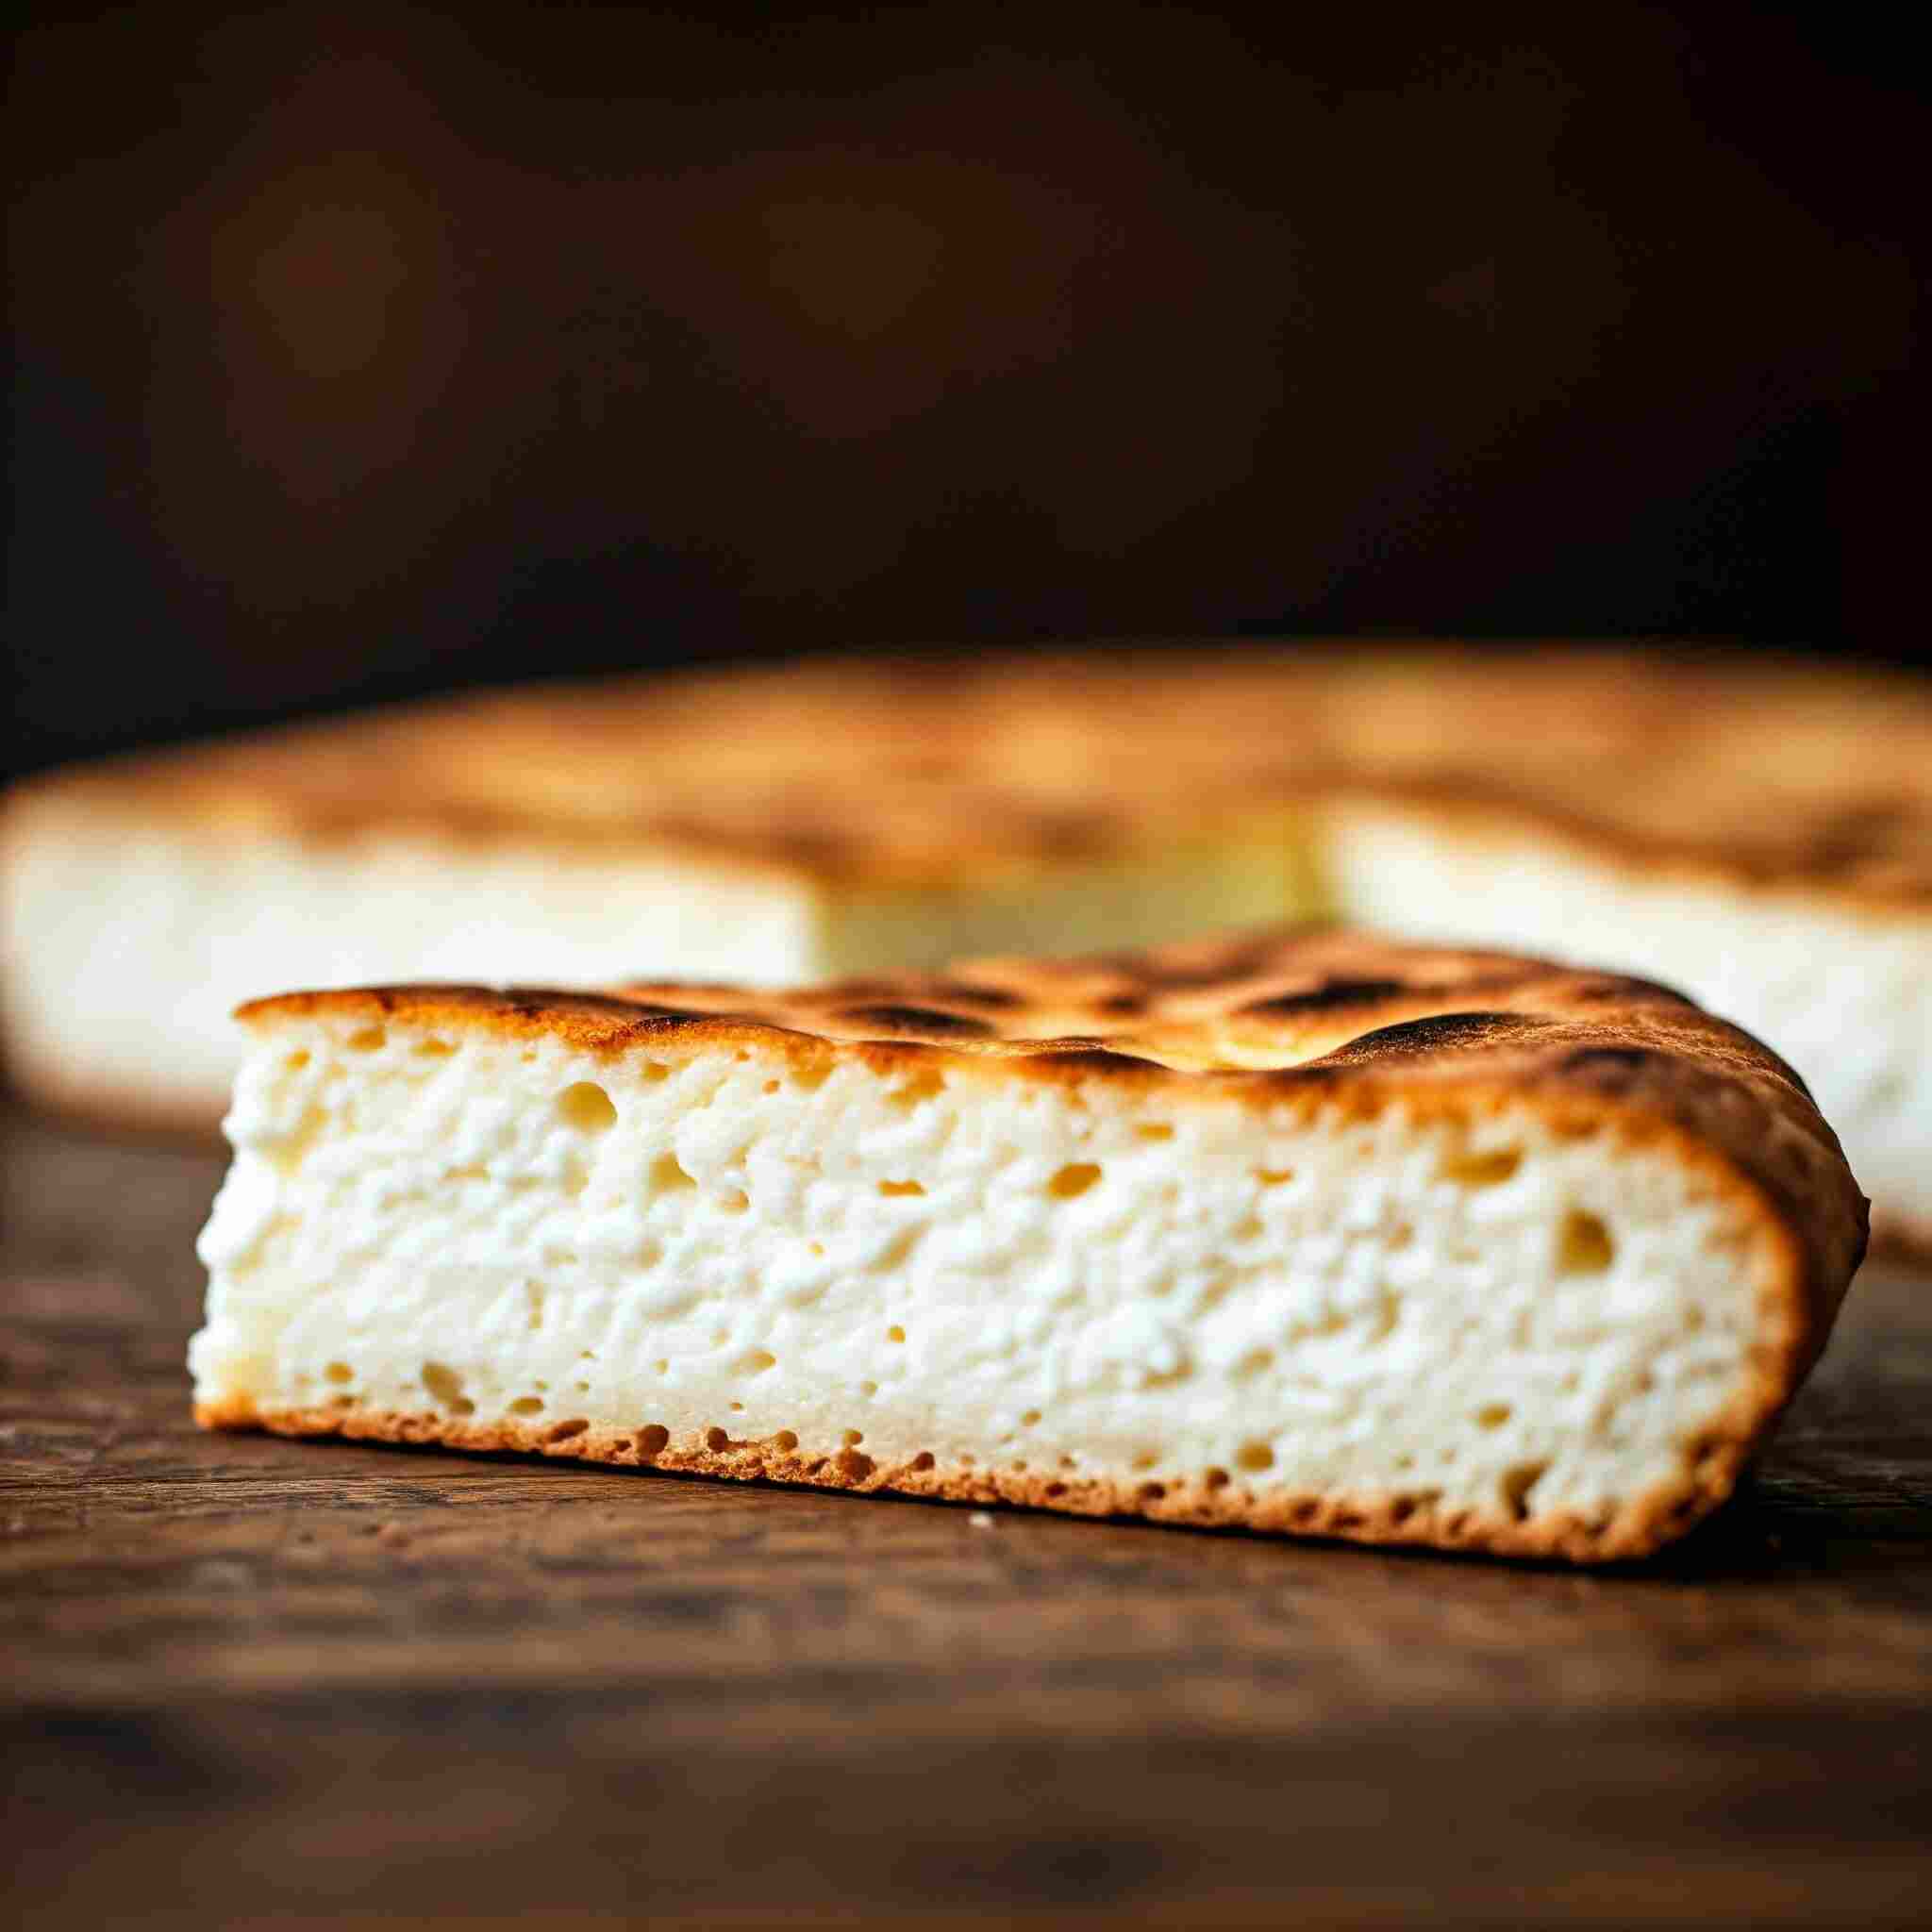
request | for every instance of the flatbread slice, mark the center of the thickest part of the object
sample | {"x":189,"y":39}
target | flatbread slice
{"x":1312,"y":1233}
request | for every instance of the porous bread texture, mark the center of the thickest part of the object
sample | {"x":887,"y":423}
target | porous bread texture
{"x":1530,"y":1278}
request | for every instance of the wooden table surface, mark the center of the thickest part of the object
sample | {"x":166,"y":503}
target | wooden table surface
{"x":253,"y":1682}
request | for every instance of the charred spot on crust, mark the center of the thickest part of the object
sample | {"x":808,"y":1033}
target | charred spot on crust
{"x":1333,"y":993}
{"x":537,"y":1000}
{"x":828,"y":849}
{"x":1860,"y":830}
{"x":1070,"y":833}
{"x":997,"y":997}
{"x":1442,"y":1031}
{"x":545,"y":999}
{"x":856,"y":989}
{"x":917,"y":1019}
{"x":1620,"y":1059}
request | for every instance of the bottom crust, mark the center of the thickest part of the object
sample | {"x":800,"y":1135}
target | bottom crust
{"x":1213,"y":1501}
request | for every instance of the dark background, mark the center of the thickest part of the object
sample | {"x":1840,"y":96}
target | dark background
{"x":357,"y":355}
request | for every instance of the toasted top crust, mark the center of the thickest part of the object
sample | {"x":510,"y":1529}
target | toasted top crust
{"x":852,"y":773}
{"x":1270,"y":1019}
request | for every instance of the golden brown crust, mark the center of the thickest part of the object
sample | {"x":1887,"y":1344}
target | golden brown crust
{"x":1214,"y":1499}
{"x":1287,"y":1022}
{"x":849,"y":774}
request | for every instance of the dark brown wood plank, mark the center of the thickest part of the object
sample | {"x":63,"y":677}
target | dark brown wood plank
{"x":252,"y":1680}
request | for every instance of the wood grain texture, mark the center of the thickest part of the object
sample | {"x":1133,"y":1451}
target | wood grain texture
{"x":256,"y":1682}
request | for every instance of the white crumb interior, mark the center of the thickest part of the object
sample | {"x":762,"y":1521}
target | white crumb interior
{"x":128,"y":948}
{"x":1845,"y":996}
{"x":1075,"y":1282}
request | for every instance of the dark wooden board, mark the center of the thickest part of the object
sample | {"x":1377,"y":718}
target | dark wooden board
{"x":258,"y":1682}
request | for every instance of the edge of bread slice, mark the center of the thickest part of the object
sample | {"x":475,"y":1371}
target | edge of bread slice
{"x":1310,"y":1233}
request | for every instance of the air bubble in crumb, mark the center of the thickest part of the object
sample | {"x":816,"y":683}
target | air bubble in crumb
{"x":447,"y":1387}
{"x":1072,"y":1180}
{"x":1585,"y":1246}
{"x":1517,"y":1484}
{"x":1255,"y":1456}
{"x":339,"y":1371}
{"x":1483,"y":1169}
{"x":586,"y":1108}
{"x":367,"y":1038}
{"x":667,"y":1173}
